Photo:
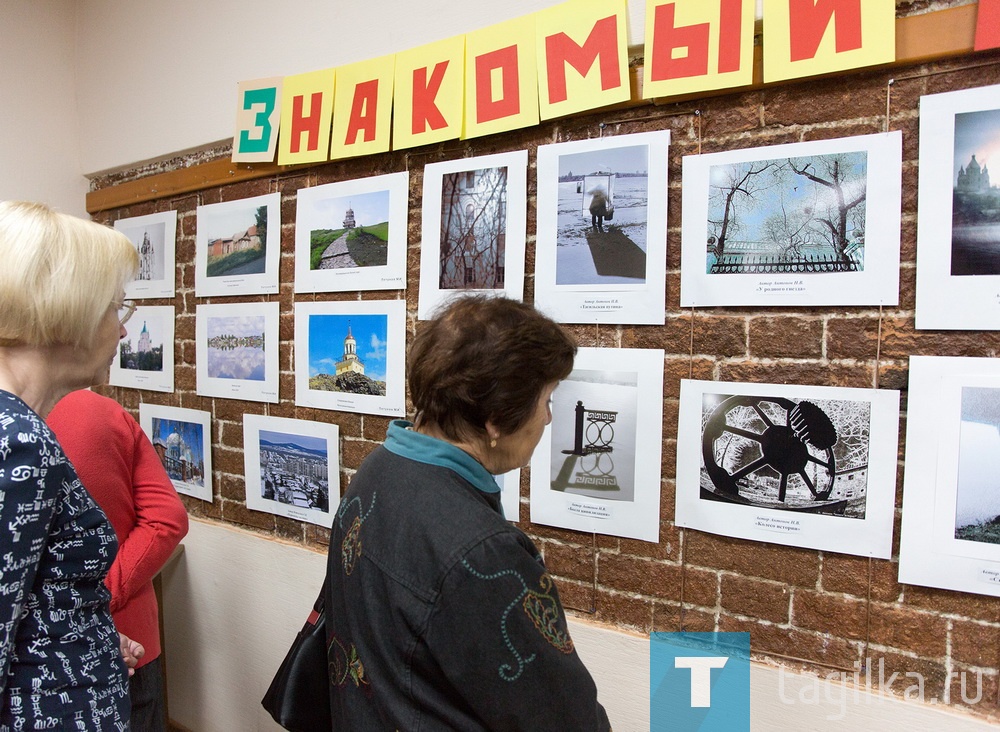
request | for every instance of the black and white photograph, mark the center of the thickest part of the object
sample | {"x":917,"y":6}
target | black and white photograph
{"x":786,"y":454}
{"x":958,"y":213}
{"x":183,"y":440}
{"x":950,"y":534}
{"x":154,"y":237}
{"x":351,"y":235}
{"x":473,"y":228}
{"x":145,"y":358}
{"x":237,"y":354}
{"x":595,"y":463}
{"x":349,"y":356}
{"x":812,"y":223}
{"x":807,"y":466}
{"x":602,"y":228}
{"x":292,"y":467}
{"x":237,"y":247}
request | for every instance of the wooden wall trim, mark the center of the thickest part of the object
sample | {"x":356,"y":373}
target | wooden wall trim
{"x":919,"y":38}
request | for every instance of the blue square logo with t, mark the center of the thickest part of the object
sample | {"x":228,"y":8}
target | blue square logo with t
{"x":699,"y":681}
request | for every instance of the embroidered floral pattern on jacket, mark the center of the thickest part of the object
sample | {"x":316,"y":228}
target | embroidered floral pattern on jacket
{"x":345,"y":664}
{"x":350,"y":547}
{"x":543,"y":610}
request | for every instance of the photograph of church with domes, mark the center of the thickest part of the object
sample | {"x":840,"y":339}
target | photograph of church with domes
{"x":145,"y":358}
{"x":182,"y":440}
{"x":975,"y":231}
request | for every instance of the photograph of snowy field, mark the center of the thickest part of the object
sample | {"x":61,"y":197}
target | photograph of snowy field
{"x":601,"y":243}
{"x":589,"y":252}
{"x":977,"y":500}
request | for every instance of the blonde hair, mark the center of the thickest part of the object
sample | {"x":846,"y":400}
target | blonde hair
{"x":59,"y":275}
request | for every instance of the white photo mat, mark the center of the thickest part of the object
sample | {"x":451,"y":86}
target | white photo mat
{"x":787,"y":209}
{"x":487,"y":224}
{"x":229,"y":229}
{"x":618,"y":276}
{"x":292,"y":467}
{"x":950,"y":479}
{"x":237,"y":351}
{"x":958,"y":279}
{"x":380,"y":201}
{"x":760,"y":442}
{"x":145,"y":357}
{"x":510,"y":494}
{"x":378,"y":331}
{"x":183,"y":440}
{"x":597,"y":467}
{"x":154,"y":237}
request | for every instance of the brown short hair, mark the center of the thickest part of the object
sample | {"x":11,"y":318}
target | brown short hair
{"x":485,"y":359}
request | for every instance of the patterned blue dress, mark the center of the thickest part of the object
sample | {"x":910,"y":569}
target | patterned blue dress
{"x":60,"y":662}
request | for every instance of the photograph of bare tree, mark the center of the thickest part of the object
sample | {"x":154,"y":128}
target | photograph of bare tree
{"x":808,"y":223}
{"x":803,"y":215}
{"x":473,"y":229}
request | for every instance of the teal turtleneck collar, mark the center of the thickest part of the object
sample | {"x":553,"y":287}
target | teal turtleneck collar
{"x":408,"y":443}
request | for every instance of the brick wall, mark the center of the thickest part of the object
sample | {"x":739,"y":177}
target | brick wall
{"x":810,"y":610}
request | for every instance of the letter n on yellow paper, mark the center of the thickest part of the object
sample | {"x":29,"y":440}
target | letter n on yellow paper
{"x":306,"y":113}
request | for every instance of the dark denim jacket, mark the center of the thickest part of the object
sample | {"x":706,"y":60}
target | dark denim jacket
{"x":440,"y":613}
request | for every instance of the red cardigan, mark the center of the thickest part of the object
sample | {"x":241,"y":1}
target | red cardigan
{"x":119,"y":467}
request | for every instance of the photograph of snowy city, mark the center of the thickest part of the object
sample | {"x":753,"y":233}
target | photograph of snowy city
{"x":294,"y":470}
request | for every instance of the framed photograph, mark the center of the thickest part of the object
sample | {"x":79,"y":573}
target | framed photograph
{"x":602,"y":229}
{"x":351,"y":235}
{"x":806,"y":466}
{"x":154,"y":237}
{"x":597,"y":466}
{"x":350,"y":356}
{"x":145,"y":357}
{"x":183,"y":440}
{"x":958,"y":211}
{"x":510,"y":494}
{"x":237,"y":351}
{"x":473,"y":229}
{"x":292,"y":467}
{"x":808,"y":223}
{"x":950,"y":535}
{"x":238,"y":246}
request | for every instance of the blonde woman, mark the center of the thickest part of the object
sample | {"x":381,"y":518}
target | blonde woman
{"x":62,"y":312}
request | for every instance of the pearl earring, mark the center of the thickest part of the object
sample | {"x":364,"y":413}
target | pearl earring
{"x":493,"y":442}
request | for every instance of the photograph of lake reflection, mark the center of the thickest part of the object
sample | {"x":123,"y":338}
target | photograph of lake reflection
{"x":236,"y":347}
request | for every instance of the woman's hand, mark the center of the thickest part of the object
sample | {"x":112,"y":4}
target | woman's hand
{"x":132,"y":651}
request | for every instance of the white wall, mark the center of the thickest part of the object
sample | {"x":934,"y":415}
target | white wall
{"x":234,"y":600}
{"x":39,"y":143}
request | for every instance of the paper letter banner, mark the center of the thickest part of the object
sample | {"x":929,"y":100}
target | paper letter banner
{"x":428,"y":93}
{"x":582,"y":56}
{"x":697,"y":45}
{"x":501,"y":81}
{"x":988,"y":25}
{"x":809,"y":37}
{"x":257,"y":115}
{"x":362,"y":108}
{"x":306,"y":111}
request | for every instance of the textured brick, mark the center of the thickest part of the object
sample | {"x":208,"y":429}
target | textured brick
{"x":572,"y":562}
{"x":785,"y":337}
{"x":641,"y":576}
{"x":756,"y":598}
{"x":799,"y":567}
{"x":819,"y":611}
{"x":921,"y":633}
{"x":975,"y":644}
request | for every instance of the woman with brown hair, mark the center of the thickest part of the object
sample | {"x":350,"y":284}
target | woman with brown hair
{"x":440,"y":614}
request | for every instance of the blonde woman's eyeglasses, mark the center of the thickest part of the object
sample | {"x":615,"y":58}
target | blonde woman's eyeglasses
{"x":125,"y":311}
